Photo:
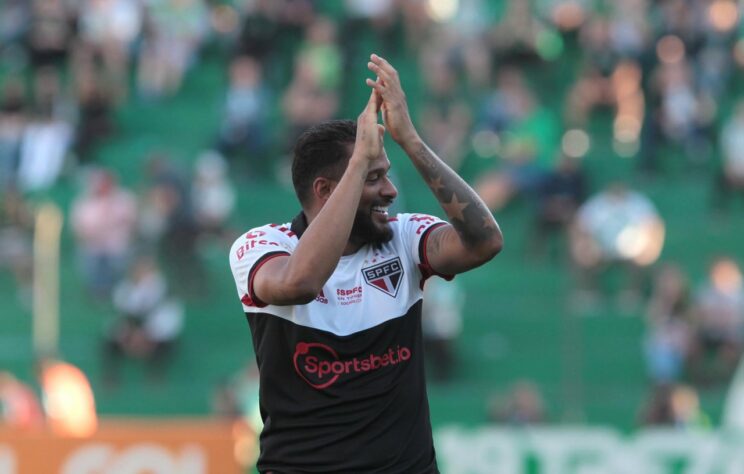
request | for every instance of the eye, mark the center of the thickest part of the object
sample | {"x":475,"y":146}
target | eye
{"x":373,"y":177}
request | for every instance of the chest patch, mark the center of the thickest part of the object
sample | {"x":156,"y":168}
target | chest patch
{"x":385,"y":276}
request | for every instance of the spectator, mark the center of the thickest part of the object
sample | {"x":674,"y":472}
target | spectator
{"x":657,"y":409}
{"x":237,"y":397}
{"x":50,"y":99}
{"x":442,"y":325}
{"x":305,"y":101}
{"x":15,"y":17}
{"x":523,"y":406}
{"x":148,"y":323}
{"x":622,"y":91}
{"x":95,"y":102}
{"x":446,"y":118}
{"x":676,"y":406}
{"x":50,"y":33}
{"x":319,"y":48}
{"x":596,"y":38}
{"x":719,"y":322}
{"x":530,"y":136}
{"x":259,"y":32}
{"x":243,"y":133}
{"x":13,"y":119}
{"x":69,"y":403}
{"x":173,"y":35}
{"x":236,"y":400}
{"x":363,"y":20}
{"x":16,"y":235}
{"x":48,"y":136}
{"x":515,"y":38}
{"x":730,"y":179}
{"x":19,"y":406}
{"x":103,"y":222}
{"x":159,"y":170}
{"x":616,"y":228}
{"x":268,"y":26}
{"x":558,"y":198}
{"x":311,"y":97}
{"x":668,"y":339}
{"x":168,"y":218}
{"x":212,"y":194}
{"x":182,"y":260}
{"x":680,"y":115}
{"x":108,"y":30}
{"x":418,"y":24}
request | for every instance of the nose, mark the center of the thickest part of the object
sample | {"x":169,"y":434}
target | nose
{"x":389,"y":190}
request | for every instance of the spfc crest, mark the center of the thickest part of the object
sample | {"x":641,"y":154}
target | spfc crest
{"x":385,"y":276}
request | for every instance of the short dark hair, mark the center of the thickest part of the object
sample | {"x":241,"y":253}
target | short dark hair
{"x":322,"y":150}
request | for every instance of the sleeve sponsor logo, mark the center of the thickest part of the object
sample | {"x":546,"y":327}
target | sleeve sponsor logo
{"x":320,"y":365}
{"x":250,"y":244}
{"x":385,"y":276}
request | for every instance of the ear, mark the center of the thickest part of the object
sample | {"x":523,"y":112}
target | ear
{"x":322,"y":188}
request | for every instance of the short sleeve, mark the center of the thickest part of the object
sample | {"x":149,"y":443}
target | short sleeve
{"x":251,"y":251}
{"x":415,"y":230}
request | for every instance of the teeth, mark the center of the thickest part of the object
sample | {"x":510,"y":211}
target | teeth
{"x":380,"y":209}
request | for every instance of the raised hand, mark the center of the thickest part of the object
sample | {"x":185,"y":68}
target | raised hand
{"x":473,"y":237}
{"x":368,"y":145}
{"x":395,"y":113}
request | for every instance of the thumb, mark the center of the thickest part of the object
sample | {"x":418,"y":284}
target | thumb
{"x":381,"y":130}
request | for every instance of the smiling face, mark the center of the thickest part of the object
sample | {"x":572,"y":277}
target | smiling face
{"x":371,"y":224}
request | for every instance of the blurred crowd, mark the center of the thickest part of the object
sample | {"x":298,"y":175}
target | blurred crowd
{"x":664,"y":71}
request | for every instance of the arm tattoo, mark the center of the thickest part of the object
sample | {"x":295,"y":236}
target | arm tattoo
{"x":467,"y":213}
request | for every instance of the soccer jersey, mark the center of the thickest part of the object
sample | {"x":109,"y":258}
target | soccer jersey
{"x":342,"y":384}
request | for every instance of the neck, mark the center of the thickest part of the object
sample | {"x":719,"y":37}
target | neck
{"x":352,"y":247}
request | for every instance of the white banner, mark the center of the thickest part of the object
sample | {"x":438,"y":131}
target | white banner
{"x":587,"y":450}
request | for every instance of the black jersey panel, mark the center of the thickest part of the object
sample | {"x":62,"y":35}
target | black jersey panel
{"x":353,"y":403}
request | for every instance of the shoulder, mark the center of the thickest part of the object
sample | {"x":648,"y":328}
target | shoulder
{"x":269,"y":237}
{"x":413,"y":220}
{"x":414,"y":224}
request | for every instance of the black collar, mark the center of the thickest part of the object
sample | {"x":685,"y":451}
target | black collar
{"x":299,"y":224}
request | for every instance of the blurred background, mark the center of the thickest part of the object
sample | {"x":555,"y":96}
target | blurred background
{"x":139,"y":138}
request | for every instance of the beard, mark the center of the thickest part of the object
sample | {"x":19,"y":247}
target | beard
{"x":364,"y":230}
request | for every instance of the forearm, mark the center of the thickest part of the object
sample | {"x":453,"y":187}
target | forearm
{"x":323,"y":243}
{"x":468,"y":214}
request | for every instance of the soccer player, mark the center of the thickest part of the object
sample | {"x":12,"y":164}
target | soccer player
{"x":333,"y":299}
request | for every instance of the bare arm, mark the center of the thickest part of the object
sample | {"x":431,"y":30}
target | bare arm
{"x":473,"y":236}
{"x":298,"y":278}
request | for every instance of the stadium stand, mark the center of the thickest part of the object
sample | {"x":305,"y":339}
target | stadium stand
{"x":518,"y":318}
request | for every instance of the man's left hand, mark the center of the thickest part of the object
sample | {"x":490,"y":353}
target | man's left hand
{"x":395,"y":113}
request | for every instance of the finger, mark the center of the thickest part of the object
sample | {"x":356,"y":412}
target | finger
{"x":376,"y":85}
{"x":382,"y":74}
{"x":383,"y":65}
{"x":374,"y":101}
{"x":370,"y":110}
{"x":379,"y":59}
{"x":373,"y":105}
{"x":379,"y":99}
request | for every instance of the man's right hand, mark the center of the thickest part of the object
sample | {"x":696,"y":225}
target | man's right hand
{"x":298,"y":278}
{"x":368,"y":145}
